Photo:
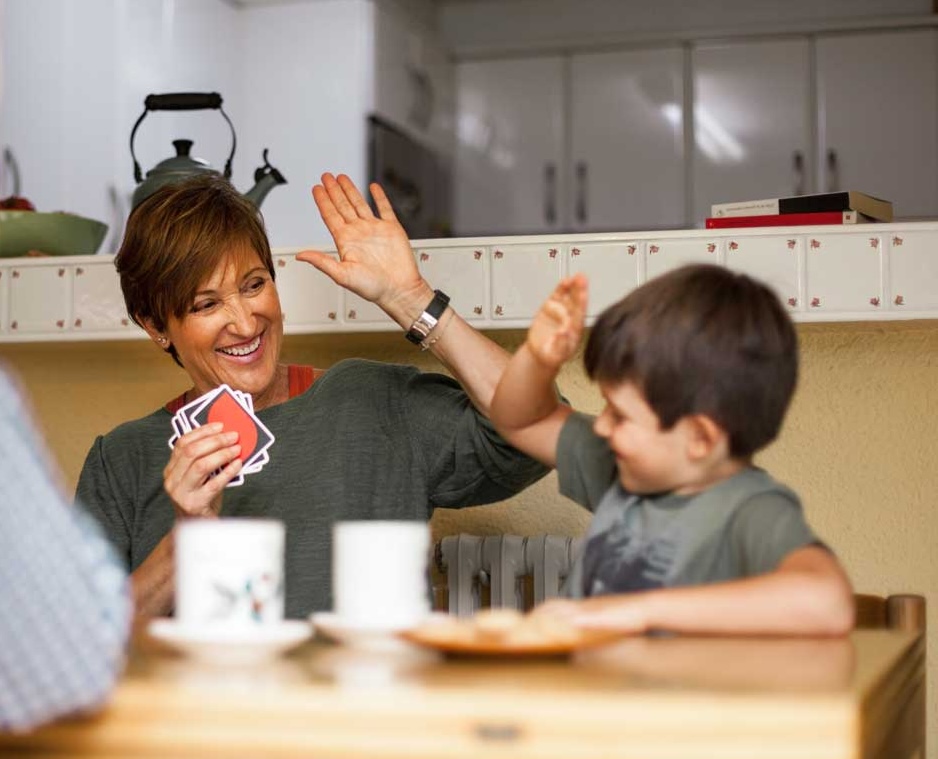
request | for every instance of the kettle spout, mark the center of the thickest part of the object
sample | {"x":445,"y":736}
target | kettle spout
{"x":266,"y":177}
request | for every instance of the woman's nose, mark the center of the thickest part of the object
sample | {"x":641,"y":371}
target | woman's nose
{"x":242,"y":319}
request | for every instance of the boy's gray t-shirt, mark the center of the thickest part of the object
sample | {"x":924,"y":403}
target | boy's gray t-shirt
{"x":741,"y":527}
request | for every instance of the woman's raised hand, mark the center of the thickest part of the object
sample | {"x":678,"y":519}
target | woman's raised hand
{"x":188,"y":478}
{"x":557,"y":327}
{"x":375,"y":257}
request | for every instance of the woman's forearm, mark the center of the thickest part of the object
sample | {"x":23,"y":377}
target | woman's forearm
{"x":153,"y":581}
{"x":475,"y":361}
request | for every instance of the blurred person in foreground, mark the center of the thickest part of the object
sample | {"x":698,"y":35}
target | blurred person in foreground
{"x":697,"y":368}
{"x":65,"y":600}
{"x":361,"y":440}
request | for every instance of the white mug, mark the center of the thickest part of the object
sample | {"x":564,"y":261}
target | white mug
{"x":379,"y":573}
{"x":229,"y":572}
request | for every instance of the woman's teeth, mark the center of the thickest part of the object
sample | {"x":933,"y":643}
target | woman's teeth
{"x":243,"y":350}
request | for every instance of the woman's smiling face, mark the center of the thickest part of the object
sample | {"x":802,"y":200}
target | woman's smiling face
{"x":233,"y":330}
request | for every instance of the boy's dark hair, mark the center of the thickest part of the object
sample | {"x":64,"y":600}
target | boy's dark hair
{"x":177,"y":237}
{"x":702,"y":340}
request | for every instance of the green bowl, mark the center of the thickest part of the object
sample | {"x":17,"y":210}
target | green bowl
{"x":55,"y":234}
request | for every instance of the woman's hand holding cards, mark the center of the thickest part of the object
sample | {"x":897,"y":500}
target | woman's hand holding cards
{"x":195,"y":456}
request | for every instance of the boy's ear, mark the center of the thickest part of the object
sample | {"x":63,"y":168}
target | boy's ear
{"x":705,"y":437}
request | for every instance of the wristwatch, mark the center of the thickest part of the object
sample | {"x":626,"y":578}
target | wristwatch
{"x":427,"y":320}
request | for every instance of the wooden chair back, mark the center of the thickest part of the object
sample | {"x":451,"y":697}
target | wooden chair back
{"x":902,"y":611}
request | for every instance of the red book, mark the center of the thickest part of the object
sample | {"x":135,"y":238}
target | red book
{"x":787,"y":219}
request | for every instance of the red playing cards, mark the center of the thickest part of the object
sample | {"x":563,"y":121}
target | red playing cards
{"x":235,"y":410}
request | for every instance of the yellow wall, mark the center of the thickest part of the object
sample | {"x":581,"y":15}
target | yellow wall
{"x":859,"y":443}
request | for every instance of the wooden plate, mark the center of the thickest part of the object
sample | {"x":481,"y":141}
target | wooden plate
{"x":461,"y":638}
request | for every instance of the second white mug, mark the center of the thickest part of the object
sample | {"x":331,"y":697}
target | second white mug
{"x":380,"y":573}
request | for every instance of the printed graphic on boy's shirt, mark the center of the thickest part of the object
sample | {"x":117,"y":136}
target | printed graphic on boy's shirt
{"x":617,"y":561}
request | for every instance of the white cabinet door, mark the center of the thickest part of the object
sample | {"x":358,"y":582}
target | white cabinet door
{"x":461,"y":273}
{"x":878,"y":111}
{"x":626,"y":117}
{"x":776,"y":261}
{"x":612,"y":270}
{"x":843,"y":274}
{"x":671,"y":253}
{"x":913,"y":272}
{"x":39,"y":299}
{"x":98,"y":304}
{"x":752,"y":129}
{"x":308,"y":298}
{"x":523,"y":276}
{"x":509,"y":152}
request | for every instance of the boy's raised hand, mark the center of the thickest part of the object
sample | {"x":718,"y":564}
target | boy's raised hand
{"x":555,"y":332}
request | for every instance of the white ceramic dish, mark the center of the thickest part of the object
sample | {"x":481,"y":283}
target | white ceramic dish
{"x":231,"y":646}
{"x":335,"y":628}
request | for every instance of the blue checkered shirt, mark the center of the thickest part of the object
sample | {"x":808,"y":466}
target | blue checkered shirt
{"x":65,"y":599}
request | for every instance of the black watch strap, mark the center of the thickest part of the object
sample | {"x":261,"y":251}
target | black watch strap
{"x":427,"y":320}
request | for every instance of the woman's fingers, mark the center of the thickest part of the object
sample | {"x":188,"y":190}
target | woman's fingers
{"x":385,"y":210}
{"x":338,"y":197}
{"x":330,"y":215}
{"x":354,"y":197}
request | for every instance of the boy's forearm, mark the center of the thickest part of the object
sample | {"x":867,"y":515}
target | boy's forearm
{"x":526,"y":393}
{"x":808,"y":594}
{"x":783,"y":603}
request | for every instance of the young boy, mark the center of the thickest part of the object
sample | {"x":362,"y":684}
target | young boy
{"x":697,"y":368}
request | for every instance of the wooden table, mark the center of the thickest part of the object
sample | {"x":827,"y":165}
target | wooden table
{"x":652,"y":698}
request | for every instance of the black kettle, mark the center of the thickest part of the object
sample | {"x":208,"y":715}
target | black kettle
{"x":182,"y":165}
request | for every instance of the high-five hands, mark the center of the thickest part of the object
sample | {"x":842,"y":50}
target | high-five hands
{"x":375,"y":257}
{"x":555,"y":332}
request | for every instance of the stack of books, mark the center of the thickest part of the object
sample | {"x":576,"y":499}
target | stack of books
{"x":825,"y":208}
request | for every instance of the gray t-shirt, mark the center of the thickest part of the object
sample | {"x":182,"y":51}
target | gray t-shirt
{"x":368,"y":440}
{"x":741,"y":527}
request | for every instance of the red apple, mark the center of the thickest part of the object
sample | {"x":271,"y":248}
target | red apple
{"x":15,"y":203}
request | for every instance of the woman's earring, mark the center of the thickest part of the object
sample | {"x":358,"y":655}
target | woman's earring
{"x":162,"y":341}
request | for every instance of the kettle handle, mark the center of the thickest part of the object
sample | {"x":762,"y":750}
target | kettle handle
{"x":183,"y":101}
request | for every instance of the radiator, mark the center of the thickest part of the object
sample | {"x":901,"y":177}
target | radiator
{"x":505,"y":565}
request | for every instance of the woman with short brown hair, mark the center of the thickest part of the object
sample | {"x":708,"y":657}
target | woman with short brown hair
{"x":363,"y":440}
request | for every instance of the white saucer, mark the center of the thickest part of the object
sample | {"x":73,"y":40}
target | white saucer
{"x":231,"y":646}
{"x":334,"y":627}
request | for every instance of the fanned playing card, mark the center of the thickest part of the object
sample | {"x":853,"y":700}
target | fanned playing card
{"x":225,"y":407}
{"x":235,"y":410}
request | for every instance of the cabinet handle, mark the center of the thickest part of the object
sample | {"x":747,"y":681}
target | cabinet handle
{"x":581,"y":200}
{"x":550,"y":193}
{"x":833,"y":178}
{"x":797,"y":164}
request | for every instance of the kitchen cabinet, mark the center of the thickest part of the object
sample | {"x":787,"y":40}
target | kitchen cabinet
{"x":510,"y":148}
{"x":523,"y":275}
{"x":828,"y":257}
{"x":912,"y":271}
{"x":611,"y":268}
{"x":627,"y":137}
{"x":875,"y":272}
{"x":462,"y":272}
{"x":620,"y":140}
{"x":752,"y":121}
{"x":878,"y":117}
{"x":588,"y":142}
{"x":775,"y":259}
